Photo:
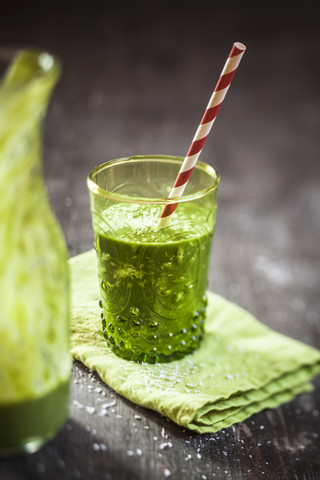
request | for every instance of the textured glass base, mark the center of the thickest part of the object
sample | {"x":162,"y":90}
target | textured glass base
{"x":153,"y":357}
{"x":142,"y":342}
{"x":31,"y":446}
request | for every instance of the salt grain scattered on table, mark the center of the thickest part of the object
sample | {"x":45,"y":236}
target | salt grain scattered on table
{"x":90,"y":410}
{"x":165,"y":445}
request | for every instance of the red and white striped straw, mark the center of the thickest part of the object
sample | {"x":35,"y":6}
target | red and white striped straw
{"x":203,"y":130}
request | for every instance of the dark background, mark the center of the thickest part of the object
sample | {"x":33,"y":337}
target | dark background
{"x":136,"y":80}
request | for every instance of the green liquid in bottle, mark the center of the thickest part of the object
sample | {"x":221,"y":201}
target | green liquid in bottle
{"x":34,"y":286}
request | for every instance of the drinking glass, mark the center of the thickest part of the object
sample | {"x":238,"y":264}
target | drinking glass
{"x":152,"y":280}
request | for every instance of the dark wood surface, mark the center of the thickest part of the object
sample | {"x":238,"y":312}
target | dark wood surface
{"x":136,"y":80}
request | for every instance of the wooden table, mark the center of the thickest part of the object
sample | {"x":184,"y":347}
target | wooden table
{"x":136,"y":81}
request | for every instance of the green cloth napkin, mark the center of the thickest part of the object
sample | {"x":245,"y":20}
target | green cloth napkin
{"x":241,"y":367}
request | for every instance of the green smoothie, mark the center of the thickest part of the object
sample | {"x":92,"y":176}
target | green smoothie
{"x":153,"y":281}
{"x":25,"y":425}
{"x":35,"y":358}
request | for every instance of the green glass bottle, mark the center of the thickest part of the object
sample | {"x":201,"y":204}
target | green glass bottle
{"x":35,"y":358}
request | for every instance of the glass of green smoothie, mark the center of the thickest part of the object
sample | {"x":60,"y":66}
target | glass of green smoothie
{"x":152,"y":280}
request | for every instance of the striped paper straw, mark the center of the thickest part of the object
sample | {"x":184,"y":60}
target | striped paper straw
{"x":203,"y":130}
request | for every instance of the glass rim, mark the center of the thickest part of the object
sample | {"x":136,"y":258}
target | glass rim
{"x":46,"y":64}
{"x":96,"y":189}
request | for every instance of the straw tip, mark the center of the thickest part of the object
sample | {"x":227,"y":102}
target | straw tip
{"x":240,"y":45}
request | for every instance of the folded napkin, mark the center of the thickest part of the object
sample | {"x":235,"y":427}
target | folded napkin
{"x":241,"y":367}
